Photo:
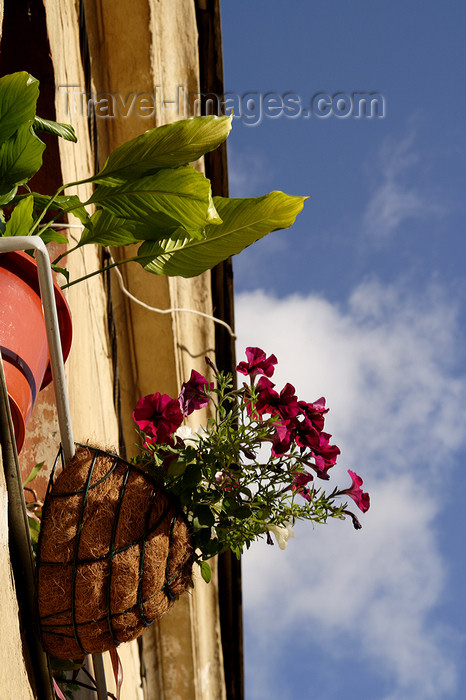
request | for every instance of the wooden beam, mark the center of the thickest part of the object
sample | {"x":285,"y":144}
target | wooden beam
{"x":216,"y":166}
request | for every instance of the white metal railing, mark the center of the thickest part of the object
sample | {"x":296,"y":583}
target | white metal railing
{"x":16,"y":243}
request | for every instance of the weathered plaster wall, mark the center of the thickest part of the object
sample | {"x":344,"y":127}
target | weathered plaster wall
{"x":14,"y":681}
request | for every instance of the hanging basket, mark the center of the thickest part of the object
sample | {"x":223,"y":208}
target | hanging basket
{"x":23,"y":337}
{"x":115,"y":551}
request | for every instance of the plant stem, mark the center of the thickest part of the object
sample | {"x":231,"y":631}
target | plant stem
{"x":47,"y":206}
{"x":97,"y":272}
{"x":67,"y":252}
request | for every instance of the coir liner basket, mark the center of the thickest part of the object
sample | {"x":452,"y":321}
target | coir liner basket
{"x":114,"y":553}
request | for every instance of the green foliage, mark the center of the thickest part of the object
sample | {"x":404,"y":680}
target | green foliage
{"x":66,"y":131}
{"x":206,"y":572}
{"x":146,"y":194}
{"x":179,"y":197}
{"x":105,"y":229}
{"x":33,"y":473}
{"x":20,"y":149}
{"x":244,"y":221}
{"x":169,"y":146}
{"x":50,"y":234}
{"x":20,"y":159}
{"x":62,"y":204}
{"x":21,"y":218}
{"x":34,"y":506}
{"x":18,"y":98}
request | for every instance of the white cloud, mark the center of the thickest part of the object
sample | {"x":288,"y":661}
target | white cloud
{"x":386,"y":364}
{"x":249,"y":172}
{"x":394,"y":199}
{"x":365,"y":595}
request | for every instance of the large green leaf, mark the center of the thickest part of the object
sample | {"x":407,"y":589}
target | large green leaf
{"x":206,"y":572}
{"x":20,"y":222}
{"x":20,"y":158}
{"x":106,"y":229}
{"x":65,"y":131}
{"x":244,"y":222}
{"x":8,"y":196}
{"x":166,"y":146}
{"x":212,"y":213}
{"x":68,"y":204}
{"x":54,"y":235}
{"x":71,"y":204}
{"x":172,"y":198}
{"x":18,"y":97}
{"x":33,"y":473}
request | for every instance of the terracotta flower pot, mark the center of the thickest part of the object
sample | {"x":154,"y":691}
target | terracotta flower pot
{"x":23,"y":339}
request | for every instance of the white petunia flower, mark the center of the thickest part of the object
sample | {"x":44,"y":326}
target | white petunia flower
{"x":282,"y":534}
{"x":185,"y":433}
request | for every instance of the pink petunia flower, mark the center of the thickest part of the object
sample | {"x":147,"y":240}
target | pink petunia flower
{"x":355,"y":492}
{"x":192,"y":395}
{"x":158,"y":416}
{"x":257,"y":363}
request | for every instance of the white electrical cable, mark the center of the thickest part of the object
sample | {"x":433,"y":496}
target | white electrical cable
{"x":143,"y":304}
{"x":44,"y":226}
{"x":168,"y":311}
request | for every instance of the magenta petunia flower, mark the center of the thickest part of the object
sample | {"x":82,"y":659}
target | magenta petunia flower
{"x":306,"y":435}
{"x":227,"y":480}
{"x":192,"y":395}
{"x":299,"y":484}
{"x":301,"y":479}
{"x":257,"y":363}
{"x":284,"y":404}
{"x":283,"y":437}
{"x":325,"y":454}
{"x":356,"y":524}
{"x":355,"y":492}
{"x":158,"y":416}
{"x":314,"y":412}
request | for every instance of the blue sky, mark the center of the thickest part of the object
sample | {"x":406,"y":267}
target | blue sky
{"x":363,"y":301}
